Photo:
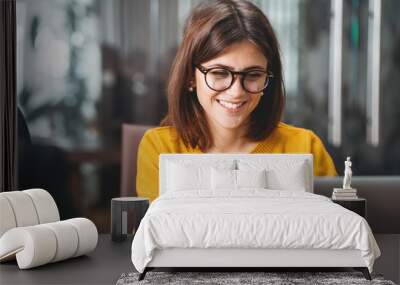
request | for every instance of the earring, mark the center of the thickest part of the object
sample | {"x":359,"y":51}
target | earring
{"x":191,"y":89}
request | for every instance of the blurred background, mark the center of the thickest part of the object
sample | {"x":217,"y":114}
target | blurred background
{"x":85,"y":67}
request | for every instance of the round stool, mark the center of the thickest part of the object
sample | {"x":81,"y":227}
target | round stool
{"x":119,"y":215}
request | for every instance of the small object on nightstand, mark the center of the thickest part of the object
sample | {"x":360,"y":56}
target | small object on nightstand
{"x":358,"y":206}
{"x":348,"y":173}
{"x":345,"y":193}
{"x":119,"y":215}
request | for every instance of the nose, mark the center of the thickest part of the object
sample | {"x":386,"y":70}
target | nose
{"x":236,"y":90}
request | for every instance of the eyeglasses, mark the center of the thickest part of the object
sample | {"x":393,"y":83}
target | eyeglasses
{"x":221,"y":79}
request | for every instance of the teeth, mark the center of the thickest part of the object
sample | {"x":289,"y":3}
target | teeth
{"x":230,"y":105}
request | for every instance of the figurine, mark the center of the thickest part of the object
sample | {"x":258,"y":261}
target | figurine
{"x":347,"y":174}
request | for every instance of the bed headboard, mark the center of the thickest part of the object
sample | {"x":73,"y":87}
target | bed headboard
{"x":271,"y":160}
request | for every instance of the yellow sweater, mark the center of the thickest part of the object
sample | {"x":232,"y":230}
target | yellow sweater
{"x":285,"y":139}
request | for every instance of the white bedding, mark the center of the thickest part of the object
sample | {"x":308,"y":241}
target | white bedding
{"x":250,"y":218}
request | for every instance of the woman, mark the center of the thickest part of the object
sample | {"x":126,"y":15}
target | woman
{"x":225,"y":94}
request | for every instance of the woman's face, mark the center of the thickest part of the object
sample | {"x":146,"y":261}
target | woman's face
{"x":231,"y":108}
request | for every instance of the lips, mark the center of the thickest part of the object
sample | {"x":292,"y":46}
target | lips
{"x":231,"y":106}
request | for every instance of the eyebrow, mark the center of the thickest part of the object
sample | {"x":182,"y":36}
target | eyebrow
{"x":232,"y":68}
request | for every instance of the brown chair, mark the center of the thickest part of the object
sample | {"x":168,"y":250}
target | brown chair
{"x":131,"y":136}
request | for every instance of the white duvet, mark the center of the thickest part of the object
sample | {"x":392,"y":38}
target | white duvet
{"x":251,"y":218}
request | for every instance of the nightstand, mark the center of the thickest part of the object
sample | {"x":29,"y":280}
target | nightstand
{"x":358,"y":205}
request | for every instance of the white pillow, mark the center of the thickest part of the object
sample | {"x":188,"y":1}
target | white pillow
{"x":236,"y":179}
{"x":223,"y":179}
{"x":251,"y":178}
{"x":293,"y":180}
{"x":186,"y":175}
{"x":281,"y":175}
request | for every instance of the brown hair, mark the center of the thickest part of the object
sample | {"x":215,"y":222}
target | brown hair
{"x":210,"y":28}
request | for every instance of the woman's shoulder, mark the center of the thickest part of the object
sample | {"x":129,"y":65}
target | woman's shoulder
{"x":289,"y":138}
{"x":160,"y":135}
{"x":163,"y":132}
{"x":165,"y":139}
{"x":298,"y":138}
{"x":290,"y":130}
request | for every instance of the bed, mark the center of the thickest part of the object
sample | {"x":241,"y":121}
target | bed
{"x":241,"y":210}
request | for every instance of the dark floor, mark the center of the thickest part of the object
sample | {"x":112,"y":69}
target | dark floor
{"x":388,"y":264}
{"x":110,"y":260}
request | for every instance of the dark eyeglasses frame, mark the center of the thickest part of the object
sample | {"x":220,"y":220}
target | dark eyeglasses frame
{"x":242,"y":74}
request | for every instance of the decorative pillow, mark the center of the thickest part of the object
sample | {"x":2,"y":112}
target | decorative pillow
{"x":281,"y":175}
{"x":184,"y":175}
{"x":236,"y":179}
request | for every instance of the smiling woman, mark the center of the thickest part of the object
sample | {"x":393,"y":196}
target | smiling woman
{"x":235,"y":35}
{"x":228,"y":103}
{"x":225,"y":94}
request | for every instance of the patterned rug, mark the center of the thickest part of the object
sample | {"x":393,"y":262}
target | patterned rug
{"x":243,"y":278}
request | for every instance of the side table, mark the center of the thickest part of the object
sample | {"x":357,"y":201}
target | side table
{"x":119,"y":215}
{"x":358,"y":206}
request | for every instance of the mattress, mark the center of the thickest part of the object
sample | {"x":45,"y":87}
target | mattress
{"x":250,"y":219}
